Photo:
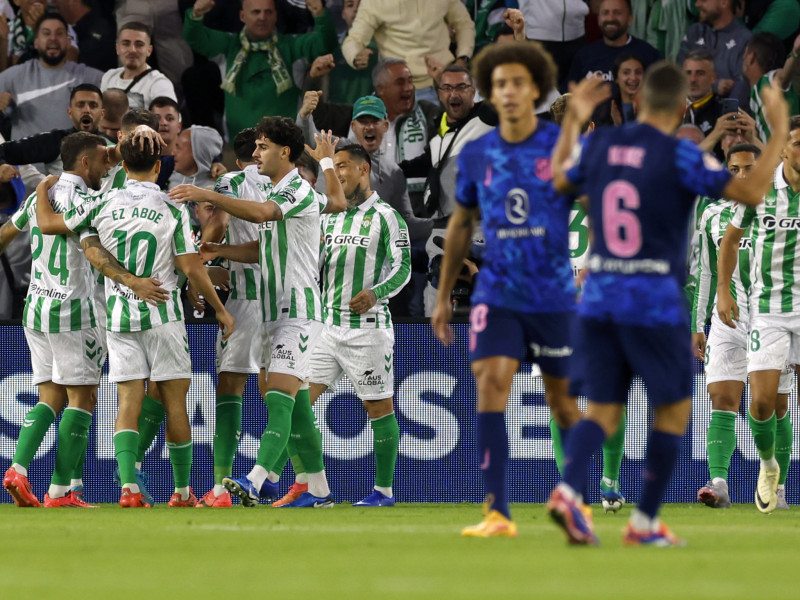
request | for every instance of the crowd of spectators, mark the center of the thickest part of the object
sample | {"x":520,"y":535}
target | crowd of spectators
{"x":392,"y":76}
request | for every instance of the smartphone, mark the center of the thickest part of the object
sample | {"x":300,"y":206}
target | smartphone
{"x":730,"y":105}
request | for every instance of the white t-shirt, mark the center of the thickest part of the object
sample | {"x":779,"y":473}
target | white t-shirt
{"x":149,"y":87}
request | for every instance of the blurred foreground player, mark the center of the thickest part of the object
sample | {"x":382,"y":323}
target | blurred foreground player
{"x":524,"y":298}
{"x":633,"y":318}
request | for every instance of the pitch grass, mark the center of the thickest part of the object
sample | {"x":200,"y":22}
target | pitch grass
{"x":410,"y":551}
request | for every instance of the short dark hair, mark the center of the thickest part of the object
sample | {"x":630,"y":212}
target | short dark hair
{"x":756,"y":151}
{"x":699,"y":55}
{"x":307,"y":162}
{"x":665,"y":87}
{"x":457,"y":69}
{"x":794,"y":123}
{"x":628,"y":2}
{"x":244,"y":144}
{"x":136,"y":26}
{"x":85,"y":87}
{"x":284,"y":132}
{"x":625,"y":56}
{"x":76,"y":145}
{"x":357,"y":152}
{"x":49,"y":15}
{"x":162,"y":101}
{"x":531,"y":55}
{"x":138,"y":116}
{"x":138,"y":160}
{"x":768,"y":50}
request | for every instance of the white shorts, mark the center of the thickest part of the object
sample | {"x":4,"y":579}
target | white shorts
{"x":160,"y":354}
{"x":366,"y":356}
{"x":289,"y":344}
{"x":773,"y":342}
{"x":68,"y":358}
{"x":243,"y":351}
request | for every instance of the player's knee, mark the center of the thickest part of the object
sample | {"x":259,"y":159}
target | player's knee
{"x":379,"y":408}
{"x":725,"y":401}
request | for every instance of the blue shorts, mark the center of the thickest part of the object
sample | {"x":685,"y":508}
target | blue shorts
{"x":543,"y":338}
{"x":608,"y":356}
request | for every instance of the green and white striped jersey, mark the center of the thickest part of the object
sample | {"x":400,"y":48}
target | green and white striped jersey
{"x":757,"y":104}
{"x":145,"y":231}
{"x":366,"y":247}
{"x":289,"y":253}
{"x":775,"y":270}
{"x":59,"y":295}
{"x":247,"y":184}
{"x":693,"y":253}
{"x":713,"y":224}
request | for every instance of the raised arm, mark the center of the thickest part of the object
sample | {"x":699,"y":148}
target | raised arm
{"x":325,"y":149}
{"x":255,"y":212}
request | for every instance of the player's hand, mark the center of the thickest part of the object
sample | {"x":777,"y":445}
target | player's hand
{"x":587,"y":94}
{"x":616,"y":115}
{"x":3,"y":27}
{"x":149,"y":290}
{"x":310,"y":103}
{"x":201,"y":7}
{"x":434,"y":67}
{"x":32,"y":12}
{"x":5,"y":99}
{"x":208,"y":251}
{"x":321,"y":66}
{"x":45,"y":184}
{"x":220,"y":276}
{"x":699,"y":345}
{"x":188,"y":193}
{"x":217,"y":169}
{"x":726,"y":308}
{"x":326,"y":145}
{"x":776,"y":110}
{"x":315,"y":7}
{"x":8,"y":172}
{"x":514,"y":18}
{"x":361,"y":61}
{"x":148,"y":138}
{"x":195,"y":299}
{"x":226,"y":321}
{"x":440,"y":320}
{"x":363,"y":301}
{"x":724,"y":86}
{"x":746,"y":125}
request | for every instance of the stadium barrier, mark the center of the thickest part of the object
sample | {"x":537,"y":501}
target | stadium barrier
{"x":435,"y":400}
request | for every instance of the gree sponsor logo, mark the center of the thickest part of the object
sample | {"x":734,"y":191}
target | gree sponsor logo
{"x":346,"y":239}
{"x":773,"y":222}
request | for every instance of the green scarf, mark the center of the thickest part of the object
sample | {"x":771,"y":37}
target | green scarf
{"x":280,"y":74}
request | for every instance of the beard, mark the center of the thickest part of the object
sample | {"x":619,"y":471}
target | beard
{"x":53,"y":60}
{"x":614,"y":32}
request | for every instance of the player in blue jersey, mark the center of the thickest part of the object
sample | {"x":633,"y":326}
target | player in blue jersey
{"x":525,"y":295}
{"x":633,"y":317}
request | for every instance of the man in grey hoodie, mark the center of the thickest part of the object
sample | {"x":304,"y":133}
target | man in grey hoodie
{"x":194,"y":152}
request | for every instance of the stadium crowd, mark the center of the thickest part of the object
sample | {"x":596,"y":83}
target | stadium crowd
{"x":325,"y":106}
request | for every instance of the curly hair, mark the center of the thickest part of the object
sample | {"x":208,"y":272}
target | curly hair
{"x":284,"y":132}
{"x":531,"y":55}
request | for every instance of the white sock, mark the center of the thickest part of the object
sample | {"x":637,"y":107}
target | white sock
{"x":257,"y":476}
{"x":718,"y":480}
{"x":640,"y":521}
{"x":273,"y":477}
{"x":133,"y":487}
{"x":318,"y":484}
{"x":20,"y":469}
{"x":301,"y":478}
{"x":57,"y":491}
{"x":219,"y":490}
{"x":781,"y":486}
{"x":75,"y":483}
{"x":386,"y":491}
{"x":610,"y":483}
{"x":139,"y":466}
{"x":771,"y":464}
{"x":183,"y":491}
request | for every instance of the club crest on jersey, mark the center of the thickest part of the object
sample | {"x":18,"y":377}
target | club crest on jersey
{"x":517,"y":206}
{"x":366,"y":223}
{"x":770,"y":201}
{"x":369,"y":377}
{"x":543,"y":169}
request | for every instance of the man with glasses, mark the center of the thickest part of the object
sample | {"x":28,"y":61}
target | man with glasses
{"x":32,"y":89}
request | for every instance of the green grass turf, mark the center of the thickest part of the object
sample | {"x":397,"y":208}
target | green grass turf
{"x":410,"y":551}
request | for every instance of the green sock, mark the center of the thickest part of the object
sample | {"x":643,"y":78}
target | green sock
{"x":763,"y":435}
{"x":720,"y":443}
{"x":125,"y":444}
{"x":77,"y":471}
{"x":289,"y":453}
{"x":32,"y":432}
{"x":226,"y":435}
{"x":558,"y":447}
{"x":386,"y":441}
{"x":783,"y":446}
{"x":73,"y":433}
{"x":280,"y":464}
{"x":308,"y":440}
{"x":613,"y":449}
{"x":150,"y":420}
{"x":180,"y":457}
{"x":273,"y":441}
